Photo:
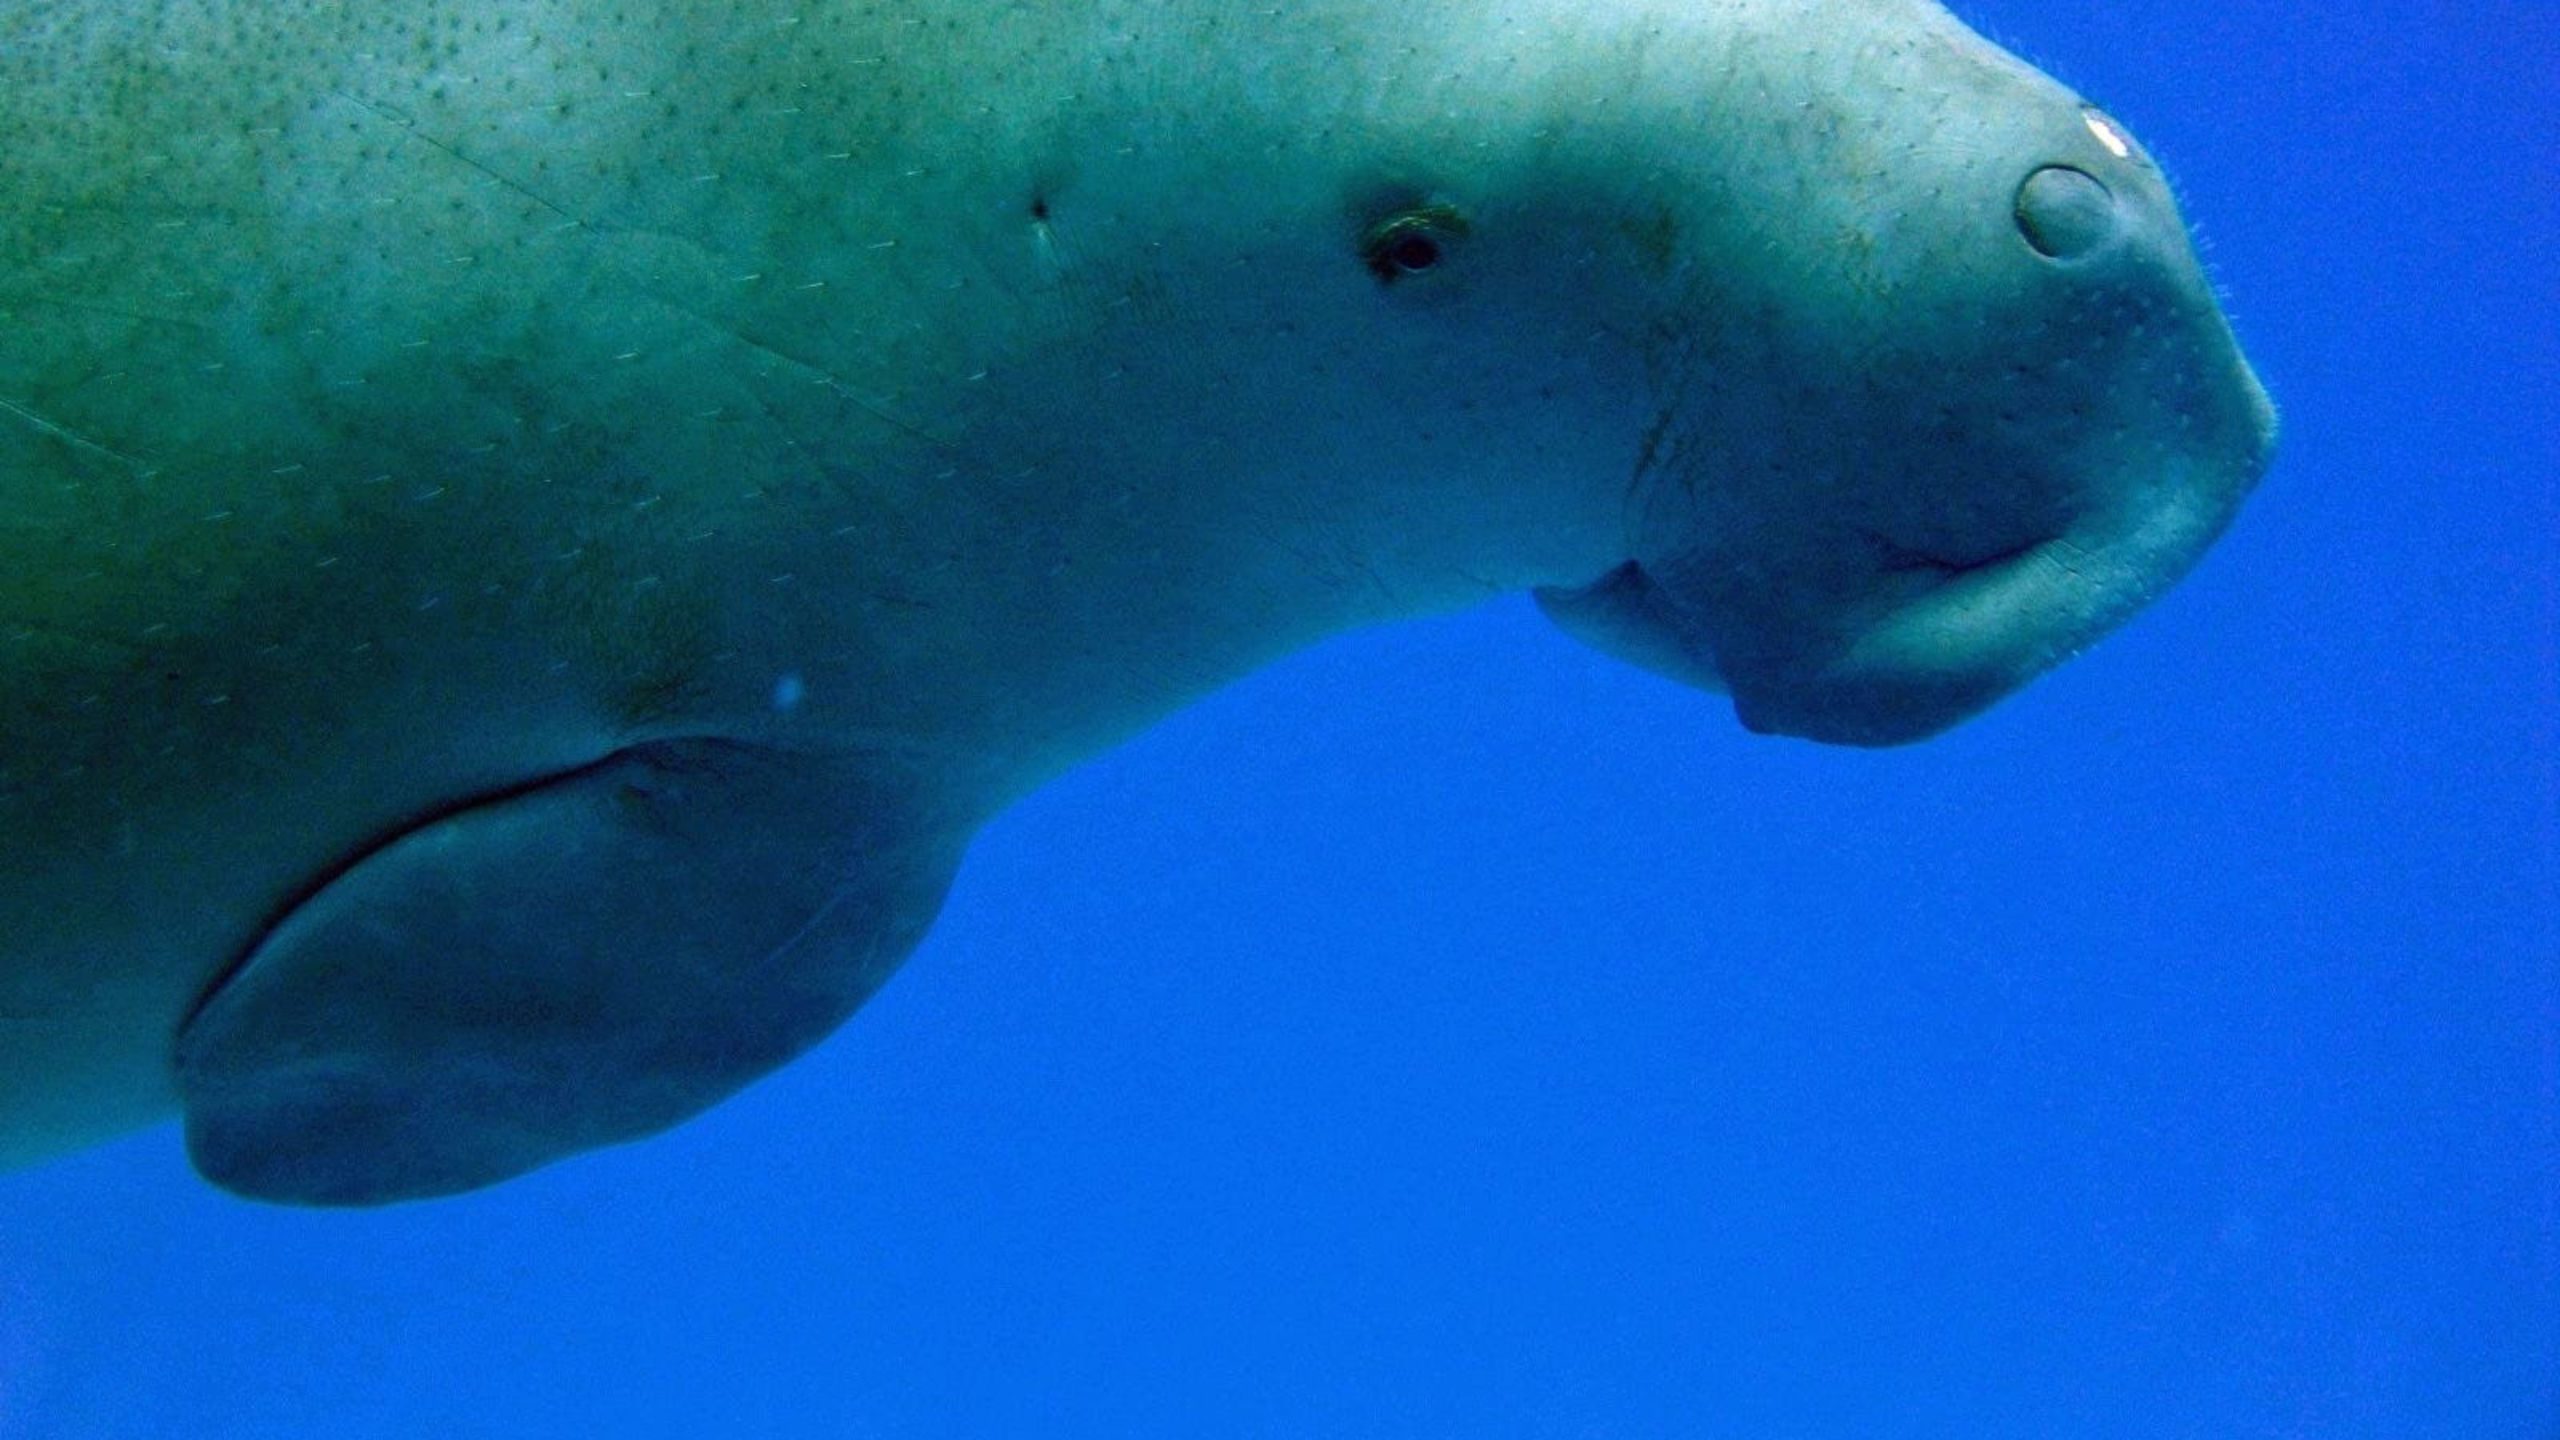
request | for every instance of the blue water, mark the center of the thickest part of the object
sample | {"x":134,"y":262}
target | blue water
{"x":1452,"y":1033}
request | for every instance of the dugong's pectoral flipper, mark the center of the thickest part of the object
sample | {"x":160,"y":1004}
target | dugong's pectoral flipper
{"x":581,"y":963}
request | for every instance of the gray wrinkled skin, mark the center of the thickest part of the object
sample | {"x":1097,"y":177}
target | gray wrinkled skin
{"x":530,"y":534}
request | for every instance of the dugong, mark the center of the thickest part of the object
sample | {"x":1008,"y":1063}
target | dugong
{"x":531,"y":534}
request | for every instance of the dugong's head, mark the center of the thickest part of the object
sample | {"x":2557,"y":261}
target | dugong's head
{"x":1887,"y":358}
{"x":1945,"y":395}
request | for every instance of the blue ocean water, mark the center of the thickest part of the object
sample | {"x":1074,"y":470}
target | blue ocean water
{"x":1451,"y":1032}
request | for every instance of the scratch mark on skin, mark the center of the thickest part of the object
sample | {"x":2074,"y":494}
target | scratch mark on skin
{"x":832,"y":382}
{"x":2073,"y":559}
{"x":51,"y":302}
{"x":1378,"y":582}
{"x":826,"y":377}
{"x":409,"y":127}
{"x":812,"y":469}
{"x":1678,"y":387}
{"x":26,"y":629}
{"x":1648,"y":454}
{"x":73,"y":438}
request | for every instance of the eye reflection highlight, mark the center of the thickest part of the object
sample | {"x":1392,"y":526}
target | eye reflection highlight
{"x":2108,"y":135}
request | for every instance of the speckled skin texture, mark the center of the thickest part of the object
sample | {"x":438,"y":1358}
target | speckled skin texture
{"x":403,"y":406}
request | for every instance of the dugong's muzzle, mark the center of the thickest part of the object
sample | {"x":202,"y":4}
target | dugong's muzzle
{"x":1977,"y":632}
{"x":1989,"y":450}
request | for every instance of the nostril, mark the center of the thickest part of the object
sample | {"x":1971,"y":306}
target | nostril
{"x":2065,"y":213}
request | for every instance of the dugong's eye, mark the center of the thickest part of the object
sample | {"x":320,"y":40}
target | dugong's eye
{"x":1413,"y":241}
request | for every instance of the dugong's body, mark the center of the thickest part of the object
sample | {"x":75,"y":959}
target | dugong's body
{"x":531,"y":534}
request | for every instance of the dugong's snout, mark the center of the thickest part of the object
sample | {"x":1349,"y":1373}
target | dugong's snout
{"x":1907,"y":638}
{"x":1984,"y":451}
{"x":2118,"y":443}
{"x":1970,"y":634}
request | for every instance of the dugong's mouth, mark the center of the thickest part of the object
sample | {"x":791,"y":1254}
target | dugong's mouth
{"x":1920,"y":640}
{"x":1985,"y":627}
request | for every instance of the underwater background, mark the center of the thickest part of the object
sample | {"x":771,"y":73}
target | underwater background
{"x":1452,"y":1032}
